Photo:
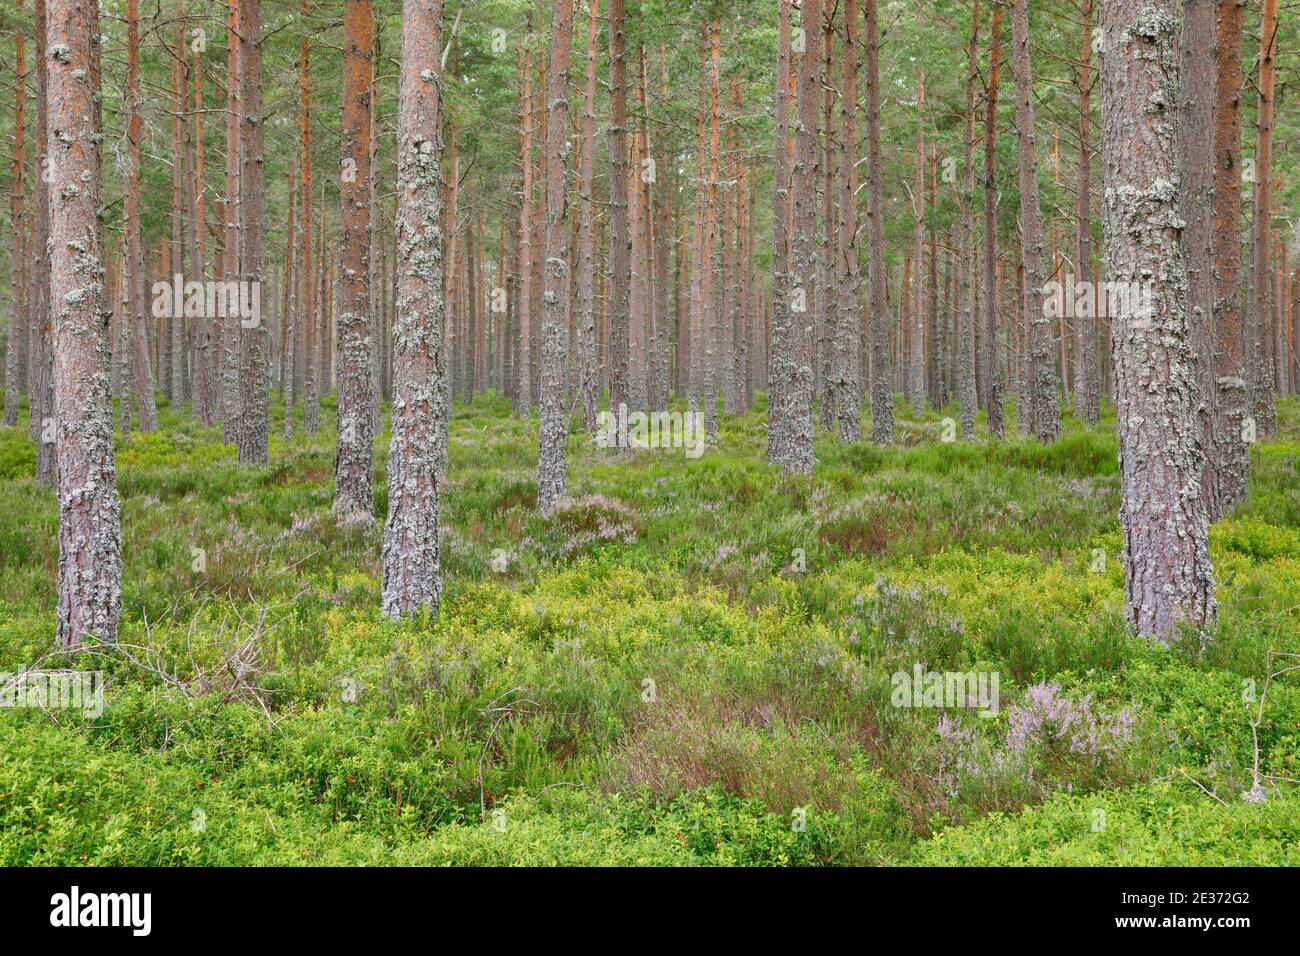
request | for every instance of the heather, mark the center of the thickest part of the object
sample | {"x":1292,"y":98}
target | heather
{"x":689,"y":663}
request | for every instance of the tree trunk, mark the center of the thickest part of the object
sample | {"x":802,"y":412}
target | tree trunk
{"x":1196,"y":209}
{"x":782,"y":331}
{"x":1087,"y":358}
{"x":305,"y":368}
{"x":619,"y":247}
{"x":16,"y":349}
{"x":1260,"y":318}
{"x":353,"y":481}
{"x":412,"y":580}
{"x":1168,"y":579}
{"x":882,"y":378}
{"x":232,"y":410}
{"x":847,"y":336}
{"x":1044,"y":410}
{"x":966,"y":385}
{"x":794,"y":453}
{"x":994,"y":372}
{"x":90,"y":529}
{"x":255,"y":334}
{"x":554,"y":425}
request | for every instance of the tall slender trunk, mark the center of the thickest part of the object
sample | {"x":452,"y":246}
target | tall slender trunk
{"x":255,"y":334}
{"x":847,"y":389}
{"x":827,"y":314}
{"x":305,"y":368}
{"x":995,"y":372}
{"x":619,"y":239}
{"x":1087,"y":343}
{"x":1196,"y":209}
{"x":16,"y":353}
{"x":882,"y":377}
{"x":916,"y":341}
{"x":176,"y":365}
{"x":1043,"y":407}
{"x":353,"y":480}
{"x":231,"y":401}
{"x":966,"y":390}
{"x":795,"y":453}
{"x":90,"y":528}
{"x":134,"y":251}
{"x":1168,"y":579}
{"x":412,"y":579}
{"x":523,"y":367}
{"x":552,"y":474}
{"x":201,"y":377}
{"x":1260,"y":366}
{"x":586,"y":258}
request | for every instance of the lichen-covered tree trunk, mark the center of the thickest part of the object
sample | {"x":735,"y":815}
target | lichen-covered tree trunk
{"x":1044,"y":410}
{"x":200,"y":385}
{"x":290,"y":354}
{"x":966,"y":392}
{"x":828,"y":313}
{"x":353,"y":482}
{"x":231,"y":397}
{"x":619,"y":240}
{"x":847,"y":336}
{"x":90,"y":529}
{"x":1260,"y":346}
{"x":305,"y":367}
{"x":1087,"y":389}
{"x":552,"y":475}
{"x":143,"y":368}
{"x":712,"y":261}
{"x":255,"y":332}
{"x":1168,"y":578}
{"x":794,"y":452}
{"x":1196,"y":208}
{"x":662,"y":229}
{"x":995,"y":372}
{"x":176,"y":254}
{"x":17,"y":345}
{"x":882,"y":374}
{"x":412,"y":580}
{"x":916,"y":329}
{"x":523,"y":366}
{"x":779,"y":368}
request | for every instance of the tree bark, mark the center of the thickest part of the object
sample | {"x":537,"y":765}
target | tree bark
{"x":619,"y":240}
{"x":353,"y":481}
{"x":255,"y":334}
{"x":794,"y":453}
{"x":90,"y":529}
{"x":552,"y":474}
{"x":847,"y":389}
{"x":16,"y":349}
{"x":1087,"y":343}
{"x":1043,"y":408}
{"x":412,"y":579}
{"x":966,"y":386}
{"x":1168,"y":578}
{"x":994,"y":371}
{"x":882,"y":377}
{"x":1260,"y":379}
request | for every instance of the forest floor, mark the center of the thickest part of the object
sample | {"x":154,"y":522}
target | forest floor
{"x":692,"y":664}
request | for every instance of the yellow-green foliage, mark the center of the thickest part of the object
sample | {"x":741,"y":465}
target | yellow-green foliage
{"x":691,"y":664}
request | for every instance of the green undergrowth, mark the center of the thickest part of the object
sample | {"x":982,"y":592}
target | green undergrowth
{"x":692,"y":662}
